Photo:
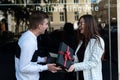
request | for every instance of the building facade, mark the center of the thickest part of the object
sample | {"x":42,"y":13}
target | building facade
{"x":66,"y":11}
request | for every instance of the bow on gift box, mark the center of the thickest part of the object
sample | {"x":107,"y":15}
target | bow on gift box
{"x":66,"y":55}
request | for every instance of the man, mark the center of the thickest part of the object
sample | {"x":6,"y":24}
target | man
{"x":25,"y":68}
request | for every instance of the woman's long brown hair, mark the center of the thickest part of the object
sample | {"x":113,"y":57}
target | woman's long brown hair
{"x":91,"y":29}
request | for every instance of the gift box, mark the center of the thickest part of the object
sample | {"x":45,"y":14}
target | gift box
{"x":65,"y":56}
{"x":52,"y":57}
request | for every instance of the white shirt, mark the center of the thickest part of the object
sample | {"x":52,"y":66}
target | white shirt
{"x":25,"y":69}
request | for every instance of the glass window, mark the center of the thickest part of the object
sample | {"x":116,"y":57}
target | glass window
{"x":51,"y":16}
{"x":76,"y":15}
{"x":62,"y":16}
{"x":75,"y":1}
{"x":61,"y":1}
{"x":104,"y":11}
{"x":105,"y":14}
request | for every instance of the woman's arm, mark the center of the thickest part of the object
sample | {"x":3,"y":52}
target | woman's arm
{"x":94,"y":59}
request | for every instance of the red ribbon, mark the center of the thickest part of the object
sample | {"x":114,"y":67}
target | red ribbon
{"x":66,"y":55}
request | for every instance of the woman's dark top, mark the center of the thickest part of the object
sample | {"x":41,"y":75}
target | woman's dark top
{"x":80,"y":55}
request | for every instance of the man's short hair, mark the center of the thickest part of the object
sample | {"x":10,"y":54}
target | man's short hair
{"x":36,"y":18}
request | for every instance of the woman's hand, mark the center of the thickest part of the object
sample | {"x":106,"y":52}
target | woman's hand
{"x":71,"y":68}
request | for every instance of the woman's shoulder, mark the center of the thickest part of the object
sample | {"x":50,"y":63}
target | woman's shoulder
{"x":97,"y":38}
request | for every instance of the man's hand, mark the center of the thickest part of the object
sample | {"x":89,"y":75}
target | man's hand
{"x":45,"y":59}
{"x":53,"y":68}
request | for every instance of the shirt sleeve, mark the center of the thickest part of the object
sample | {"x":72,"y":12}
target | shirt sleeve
{"x":40,"y":59}
{"x":27,"y":51}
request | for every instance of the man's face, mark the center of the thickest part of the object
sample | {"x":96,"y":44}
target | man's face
{"x":44,"y":26}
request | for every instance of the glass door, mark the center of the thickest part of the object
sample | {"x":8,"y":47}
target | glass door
{"x":105,"y":12}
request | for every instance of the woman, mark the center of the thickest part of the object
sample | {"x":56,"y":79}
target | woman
{"x":87,"y":62}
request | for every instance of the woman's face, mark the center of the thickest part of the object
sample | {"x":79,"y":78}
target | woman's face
{"x":81,"y":26}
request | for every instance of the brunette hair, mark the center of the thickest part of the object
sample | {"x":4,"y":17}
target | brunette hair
{"x":91,"y":29}
{"x":36,"y":18}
